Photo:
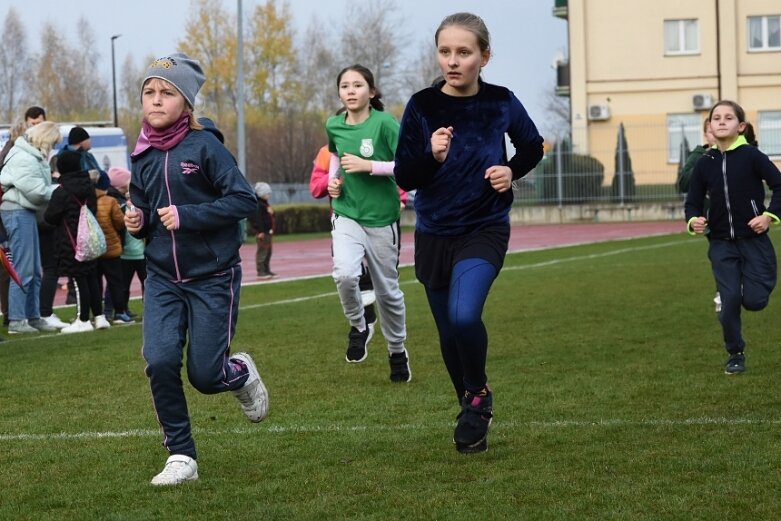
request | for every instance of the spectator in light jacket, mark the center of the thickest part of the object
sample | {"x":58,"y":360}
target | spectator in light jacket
{"x":27,"y":187}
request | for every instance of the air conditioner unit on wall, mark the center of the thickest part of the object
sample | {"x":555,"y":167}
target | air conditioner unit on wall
{"x":598,"y":112}
{"x":702,"y":101}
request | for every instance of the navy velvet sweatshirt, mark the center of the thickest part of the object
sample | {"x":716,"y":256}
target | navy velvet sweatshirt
{"x":453,"y":197}
{"x":734,"y":182}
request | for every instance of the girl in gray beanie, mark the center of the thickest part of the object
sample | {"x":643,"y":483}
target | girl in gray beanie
{"x":187,"y":197}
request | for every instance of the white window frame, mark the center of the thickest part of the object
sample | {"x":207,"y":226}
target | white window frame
{"x":764,"y":22}
{"x":769,"y":132}
{"x":678,"y":125}
{"x":678,"y":29}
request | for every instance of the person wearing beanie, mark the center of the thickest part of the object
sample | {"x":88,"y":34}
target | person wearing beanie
{"x":80,"y":141}
{"x":132,"y":258}
{"x":181,"y":71}
{"x":119,"y":178}
{"x":112,"y":222}
{"x":77,"y":137}
{"x":187,"y":198}
{"x":262,"y":222}
{"x":75,"y":189}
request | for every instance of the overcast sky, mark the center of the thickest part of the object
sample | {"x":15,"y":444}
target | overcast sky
{"x":525,"y":36}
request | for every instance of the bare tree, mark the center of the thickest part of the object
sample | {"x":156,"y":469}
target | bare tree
{"x":67,"y":80}
{"x":425,"y":69}
{"x":129,"y":84}
{"x":130,"y":96}
{"x":372,"y":35}
{"x":557,"y":112}
{"x":317,"y":68}
{"x":14,"y":66}
{"x":89,"y":93}
{"x":49,"y":66}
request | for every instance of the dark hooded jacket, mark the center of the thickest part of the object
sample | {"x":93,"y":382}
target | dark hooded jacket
{"x":63,"y":212}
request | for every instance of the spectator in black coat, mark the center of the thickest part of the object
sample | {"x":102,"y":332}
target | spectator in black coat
{"x":75,"y":189}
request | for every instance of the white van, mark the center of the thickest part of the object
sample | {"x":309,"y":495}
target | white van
{"x":109,"y":145}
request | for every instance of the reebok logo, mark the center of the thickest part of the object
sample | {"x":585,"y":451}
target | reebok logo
{"x":189,"y":168}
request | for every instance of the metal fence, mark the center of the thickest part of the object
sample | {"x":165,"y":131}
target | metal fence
{"x":606,"y":164}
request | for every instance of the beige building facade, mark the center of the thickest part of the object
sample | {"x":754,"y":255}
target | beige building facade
{"x":658,"y":67}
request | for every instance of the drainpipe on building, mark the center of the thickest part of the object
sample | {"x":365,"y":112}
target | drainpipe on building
{"x":718,"y":52}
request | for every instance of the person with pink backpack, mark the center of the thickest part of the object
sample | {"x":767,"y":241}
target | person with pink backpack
{"x":76,"y":189}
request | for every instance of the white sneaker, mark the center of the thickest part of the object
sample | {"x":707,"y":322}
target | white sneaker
{"x":368,"y":297}
{"x":101,"y":322}
{"x":54,"y":321}
{"x":253,"y":395}
{"x":78,"y":327}
{"x":178,"y":469}
{"x":370,"y":327}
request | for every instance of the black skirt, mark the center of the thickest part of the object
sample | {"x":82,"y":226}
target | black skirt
{"x":436,"y":255}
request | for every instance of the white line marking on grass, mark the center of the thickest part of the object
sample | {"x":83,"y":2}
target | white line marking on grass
{"x":594,"y":255}
{"x":413,"y":281}
{"x":500,"y":425}
{"x":288,"y":301}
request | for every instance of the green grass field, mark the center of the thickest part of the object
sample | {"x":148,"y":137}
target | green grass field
{"x":610,"y":403}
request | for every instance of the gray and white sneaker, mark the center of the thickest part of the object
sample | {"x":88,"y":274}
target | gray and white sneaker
{"x":41,"y":325}
{"x":253,"y":395}
{"x":20,"y":326}
{"x":178,"y":469}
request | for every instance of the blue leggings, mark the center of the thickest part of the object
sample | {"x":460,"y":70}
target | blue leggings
{"x":457,"y":312}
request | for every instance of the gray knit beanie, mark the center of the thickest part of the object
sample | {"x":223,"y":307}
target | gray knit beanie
{"x":179,"y":70}
{"x":262,"y":189}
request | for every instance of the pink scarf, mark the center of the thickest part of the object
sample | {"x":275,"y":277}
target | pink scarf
{"x":162,"y":138}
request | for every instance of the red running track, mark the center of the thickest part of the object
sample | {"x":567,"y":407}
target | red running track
{"x":313,"y":257}
{"x":309,"y":258}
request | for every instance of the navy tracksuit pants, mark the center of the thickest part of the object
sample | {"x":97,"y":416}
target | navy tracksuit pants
{"x":202,"y":314}
{"x":745,"y":272}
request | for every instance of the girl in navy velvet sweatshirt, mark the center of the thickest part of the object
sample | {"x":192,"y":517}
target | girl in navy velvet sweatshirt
{"x":733,"y":174}
{"x":452,"y":151}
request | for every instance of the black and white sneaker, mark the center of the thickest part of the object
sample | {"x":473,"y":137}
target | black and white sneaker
{"x":736,"y":364}
{"x":356,"y":344}
{"x":399,"y":367}
{"x":471,"y":433}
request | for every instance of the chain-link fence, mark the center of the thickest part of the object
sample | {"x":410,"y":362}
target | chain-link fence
{"x":632,"y":163}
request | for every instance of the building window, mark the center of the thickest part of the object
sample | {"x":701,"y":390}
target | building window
{"x":769,"y":132}
{"x":681,"y":37}
{"x":678,"y":127}
{"x":764,"y":33}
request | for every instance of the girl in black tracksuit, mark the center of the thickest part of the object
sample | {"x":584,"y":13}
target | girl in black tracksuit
{"x":733,"y":175}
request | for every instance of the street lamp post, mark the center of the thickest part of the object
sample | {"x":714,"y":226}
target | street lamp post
{"x":114,"y":79}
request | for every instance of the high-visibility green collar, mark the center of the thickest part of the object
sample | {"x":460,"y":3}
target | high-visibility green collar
{"x":740,"y":141}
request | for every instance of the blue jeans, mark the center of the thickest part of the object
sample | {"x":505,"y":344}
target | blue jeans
{"x":24,"y":302}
